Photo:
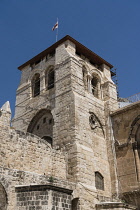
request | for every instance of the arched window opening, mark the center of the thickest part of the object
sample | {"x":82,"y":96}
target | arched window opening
{"x":42,"y":125}
{"x":99,"y":181}
{"x":36,"y":85}
{"x":75,"y":204}
{"x":3,"y":198}
{"x":48,"y":139}
{"x":94,"y":86}
{"x":51,"y":78}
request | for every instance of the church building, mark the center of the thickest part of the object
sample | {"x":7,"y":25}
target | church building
{"x":72,"y":144}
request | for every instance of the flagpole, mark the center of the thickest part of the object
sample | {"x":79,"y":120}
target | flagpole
{"x":57,"y":32}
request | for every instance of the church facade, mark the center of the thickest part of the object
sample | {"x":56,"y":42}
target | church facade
{"x":70,"y":146}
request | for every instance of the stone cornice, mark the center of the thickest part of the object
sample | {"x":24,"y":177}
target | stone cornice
{"x":28,"y":188}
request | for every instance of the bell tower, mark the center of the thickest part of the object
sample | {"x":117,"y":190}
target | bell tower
{"x":65,"y":97}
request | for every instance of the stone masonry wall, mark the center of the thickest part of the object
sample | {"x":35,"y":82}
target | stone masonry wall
{"x":127,"y":158}
{"x":30,"y":153}
{"x":43,"y":197}
{"x":26,"y":105}
{"x":26,"y":190}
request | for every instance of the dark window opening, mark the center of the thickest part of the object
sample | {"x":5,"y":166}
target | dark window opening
{"x":51,"y":79}
{"x":75,"y":204}
{"x":48,"y":139}
{"x":44,"y":119}
{"x":94,"y":83}
{"x":50,"y":121}
{"x":99,"y":181}
{"x":36,"y":85}
{"x":37,"y":127}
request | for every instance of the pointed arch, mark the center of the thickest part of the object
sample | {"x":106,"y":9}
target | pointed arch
{"x":95,"y":122}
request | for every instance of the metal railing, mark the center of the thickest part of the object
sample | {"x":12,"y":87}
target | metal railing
{"x":131,"y":99}
{"x":134,"y":98}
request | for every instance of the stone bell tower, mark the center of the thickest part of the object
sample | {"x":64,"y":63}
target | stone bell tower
{"x":65,"y":97}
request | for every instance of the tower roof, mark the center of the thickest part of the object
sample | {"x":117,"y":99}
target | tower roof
{"x":80,"y":49}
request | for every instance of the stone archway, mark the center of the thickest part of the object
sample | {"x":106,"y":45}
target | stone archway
{"x":134,"y":137}
{"x":42,"y":124}
{"x":3,"y":198}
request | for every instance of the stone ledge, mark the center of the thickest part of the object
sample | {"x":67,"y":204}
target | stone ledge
{"x":20,"y":188}
{"x":114,"y":205}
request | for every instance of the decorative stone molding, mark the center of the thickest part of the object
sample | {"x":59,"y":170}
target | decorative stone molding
{"x":134,"y":126}
{"x":114,"y":205}
{"x":95,"y":122}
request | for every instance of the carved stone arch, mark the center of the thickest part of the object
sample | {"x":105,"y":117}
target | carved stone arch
{"x":36,"y":71}
{"x":95,"y":123}
{"x":98,"y":74}
{"x":134,"y":137}
{"x":42,"y":124}
{"x":48,"y":68}
{"x":3,"y":198}
{"x":134,"y":129}
{"x":30,"y":78}
{"x":83,"y":63}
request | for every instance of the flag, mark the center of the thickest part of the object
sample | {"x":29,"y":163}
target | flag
{"x":55,"y":26}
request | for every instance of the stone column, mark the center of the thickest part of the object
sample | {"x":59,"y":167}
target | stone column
{"x":89,"y":83}
{"x":42,"y":82}
{"x":137,"y":160}
{"x":98,"y":90}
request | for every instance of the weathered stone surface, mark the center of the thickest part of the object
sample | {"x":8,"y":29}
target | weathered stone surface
{"x":74,"y":117}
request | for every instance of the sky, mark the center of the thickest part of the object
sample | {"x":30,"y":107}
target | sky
{"x":110,"y":28}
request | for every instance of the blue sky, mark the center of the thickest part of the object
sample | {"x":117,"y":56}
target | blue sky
{"x":110,"y":28}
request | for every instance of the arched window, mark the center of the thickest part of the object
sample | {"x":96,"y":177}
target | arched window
{"x":42,"y":125}
{"x":48,"y":139}
{"x":94,"y":86}
{"x":99,"y":181}
{"x":50,"y":78}
{"x":36,"y":85}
